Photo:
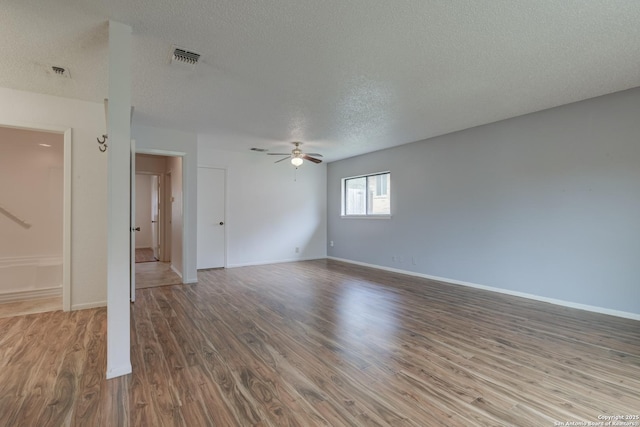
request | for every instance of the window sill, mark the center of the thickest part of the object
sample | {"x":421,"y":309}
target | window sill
{"x":365,"y":216}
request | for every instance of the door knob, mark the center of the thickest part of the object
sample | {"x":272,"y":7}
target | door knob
{"x":135,"y":229}
{"x":221,"y":222}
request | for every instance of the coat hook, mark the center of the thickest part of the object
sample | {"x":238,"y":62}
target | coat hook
{"x":103,"y":144}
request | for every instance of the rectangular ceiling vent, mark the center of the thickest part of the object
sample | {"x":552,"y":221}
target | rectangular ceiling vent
{"x":184,"y":58}
{"x":59,"y":71}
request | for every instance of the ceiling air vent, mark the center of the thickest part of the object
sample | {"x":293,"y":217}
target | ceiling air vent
{"x":60,"y":71}
{"x":184,"y":58}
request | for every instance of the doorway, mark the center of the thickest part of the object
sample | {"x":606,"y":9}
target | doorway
{"x":158,"y":220}
{"x":35,"y":194}
{"x":147,"y":217}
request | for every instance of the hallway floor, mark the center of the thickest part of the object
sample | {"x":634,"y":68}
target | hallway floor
{"x":153,"y":274}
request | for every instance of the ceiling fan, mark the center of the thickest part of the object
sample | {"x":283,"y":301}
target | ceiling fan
{"x":297,"y":156}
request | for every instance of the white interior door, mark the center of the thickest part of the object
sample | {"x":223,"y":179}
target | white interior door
{"x":132,"y":222}
{"x":211,"y":218}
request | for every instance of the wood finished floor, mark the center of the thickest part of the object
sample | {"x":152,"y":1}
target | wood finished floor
{"x":38,"y":305}
{"x":152,"y":274}
{"x":322,"y":343}
{"x":145,"y":255}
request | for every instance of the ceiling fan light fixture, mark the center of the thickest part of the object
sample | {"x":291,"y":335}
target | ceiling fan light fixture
{"x":296,"y":161}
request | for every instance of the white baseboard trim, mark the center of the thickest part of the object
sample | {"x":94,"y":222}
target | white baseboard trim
{"x":175,"y":270}
{"x":118,"y":371}
{"x":85,"y":306}
{"x":282,"y":261}
{"x":31,"y":294}
{"x":592,"y":308}
{"x":39,"y":261}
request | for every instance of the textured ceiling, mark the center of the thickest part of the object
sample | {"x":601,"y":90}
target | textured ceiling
{"x":344,"y":77}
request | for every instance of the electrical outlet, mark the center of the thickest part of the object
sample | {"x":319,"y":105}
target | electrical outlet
{"x":413,"y":260}
{"x":331,"y":243}
{"x":297,"y":250}
{"x":393,"y":258}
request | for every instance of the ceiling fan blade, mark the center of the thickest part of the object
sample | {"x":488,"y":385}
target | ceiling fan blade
{"x":278,"y":154}
{"x":282,"y":159}
{"x":314,"y":154}
{"x":311,"y":159}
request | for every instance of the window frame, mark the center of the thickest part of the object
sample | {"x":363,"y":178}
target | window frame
{"x":343,"y":198}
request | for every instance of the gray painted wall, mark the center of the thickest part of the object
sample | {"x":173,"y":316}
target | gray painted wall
{"x":545,"y":204}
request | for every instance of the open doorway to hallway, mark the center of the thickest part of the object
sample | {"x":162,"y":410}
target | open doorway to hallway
{"x":32,"y":192}
{"x":159,"y":223}
{"x":148,"y":217}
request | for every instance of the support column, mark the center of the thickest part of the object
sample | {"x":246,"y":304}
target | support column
{"x":119,"y":132}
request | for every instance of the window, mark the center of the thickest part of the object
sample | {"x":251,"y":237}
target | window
{"x":367,"y":195}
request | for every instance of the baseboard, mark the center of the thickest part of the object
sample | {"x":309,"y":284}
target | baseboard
{"x":88,"y":305}
{"x":175,"y":270}
{"x":282,"y":261}
{"x":569,"y":304}
{"x":31,"y":294}
{"x":118,"y":371}
{"x":40,"y":261}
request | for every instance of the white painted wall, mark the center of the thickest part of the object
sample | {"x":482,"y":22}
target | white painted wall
{"x":150,"y":164}
{"x":268,"y":213}
{"x":143,"y":210}
{"x":89,"y":184}
{"x":153,"y":140}
{"x":546,"y":204}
